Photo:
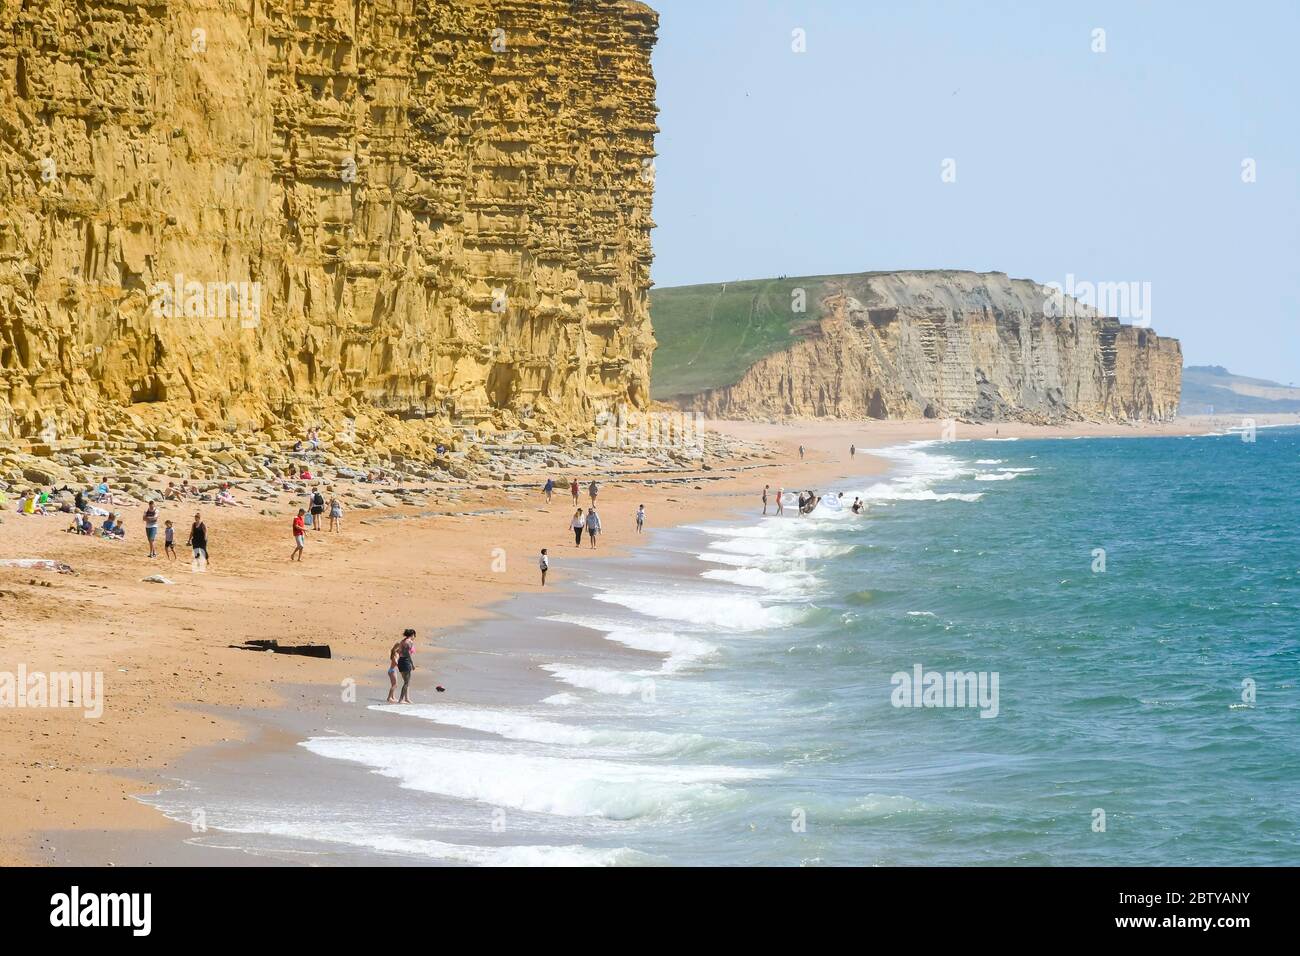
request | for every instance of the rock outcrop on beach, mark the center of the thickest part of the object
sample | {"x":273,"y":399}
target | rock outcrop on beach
{"x":951,"y":344}
{"x":225,"y":219}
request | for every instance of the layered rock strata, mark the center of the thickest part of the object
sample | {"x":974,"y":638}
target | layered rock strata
{"x":951,"y":344}
{"x":215,"y":215}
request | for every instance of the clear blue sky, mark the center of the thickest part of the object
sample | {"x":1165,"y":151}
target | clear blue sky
{"x":1122,"y":166}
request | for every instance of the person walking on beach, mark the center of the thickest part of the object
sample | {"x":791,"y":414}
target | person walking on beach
{"x":299,"y":535}
{"x":198,"y":541}
{"x":573,"y":490}
{"x":853,"y":450}
{"x":801,"y":452}
{"x":548,"y":488}
{"x":317,"y":508}
{"x":399,"y":660}
{"x":593,"y":489}
{"x":593,"y":526}
{"x":544,"y":563}
{"x":169,"y":541}
{"x":151,"y":528}
{"x":577,"y":524}
{"x":640,"y":518}
{"x":780,"y":507}
{"x":336,"y":515}
{"x":765,"y":487}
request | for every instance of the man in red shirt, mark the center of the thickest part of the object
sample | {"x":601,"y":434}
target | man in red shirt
{"x":299,"y":534}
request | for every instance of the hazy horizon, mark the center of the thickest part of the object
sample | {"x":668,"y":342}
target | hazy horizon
{"x":1123,"y":165}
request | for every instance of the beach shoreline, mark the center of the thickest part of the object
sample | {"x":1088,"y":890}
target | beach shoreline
{"x":83,"y":775}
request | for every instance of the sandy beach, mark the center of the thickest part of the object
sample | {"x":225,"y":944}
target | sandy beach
{"x":171,"y":675}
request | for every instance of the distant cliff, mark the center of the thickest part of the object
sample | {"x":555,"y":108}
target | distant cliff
{"x":938,"y":344}
{"x":216,"y":216}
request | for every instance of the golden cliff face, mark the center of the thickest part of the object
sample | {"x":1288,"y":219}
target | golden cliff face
{"x":949,"y":344}
{"x":216,"y":216}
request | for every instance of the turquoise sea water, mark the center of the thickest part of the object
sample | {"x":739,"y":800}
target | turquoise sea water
{"x":726,"y":696}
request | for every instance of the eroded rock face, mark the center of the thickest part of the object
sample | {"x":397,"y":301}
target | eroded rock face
{"x":435,"y":207}
{"x":949,"y":344}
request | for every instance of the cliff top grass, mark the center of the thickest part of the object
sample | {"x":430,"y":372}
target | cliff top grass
{"x":709,"y":335}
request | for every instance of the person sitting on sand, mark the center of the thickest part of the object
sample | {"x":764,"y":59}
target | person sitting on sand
{"x":577,"y":524}
{"x":171,"y":494}
{"x":593,"y":526}
{"x":79,"y":502}
{"x":87,"y":527}
{"x":225,"y":498}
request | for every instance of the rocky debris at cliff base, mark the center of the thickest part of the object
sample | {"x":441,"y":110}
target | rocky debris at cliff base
{"x":250,"y":472}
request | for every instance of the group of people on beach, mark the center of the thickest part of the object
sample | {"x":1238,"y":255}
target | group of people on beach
{"x":808,"y":500}
{"x":313,"y":516}
{"x":584,"y":521}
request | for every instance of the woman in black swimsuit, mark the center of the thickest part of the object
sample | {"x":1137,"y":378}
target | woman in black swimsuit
{"x":401,"y":655}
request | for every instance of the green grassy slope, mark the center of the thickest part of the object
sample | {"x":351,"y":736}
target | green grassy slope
{"x":708,"y":337}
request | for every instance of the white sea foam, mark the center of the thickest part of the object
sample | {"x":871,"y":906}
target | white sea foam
{"x":996,"y":476}
{"x":520,"y":725}
{"x":718,"y":611}
{"x":601,"y":680}
{"x":788,"y":583}
{"x":921,"y":471}
{"x":367,"y":836}
{"x":681,"y":650}
{"x":560,"y":786}
{"x":562,"y":699}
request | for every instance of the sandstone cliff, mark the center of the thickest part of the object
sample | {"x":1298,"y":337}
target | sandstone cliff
{"x":219,"y":215}
{"x":954,"y":344}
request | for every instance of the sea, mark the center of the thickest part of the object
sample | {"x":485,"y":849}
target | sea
{"x":1077,"y":652}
